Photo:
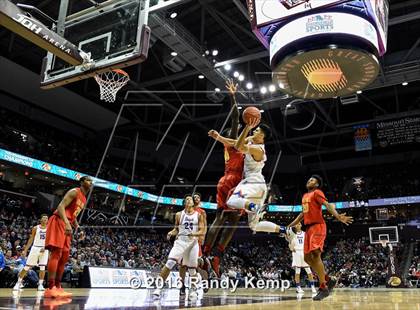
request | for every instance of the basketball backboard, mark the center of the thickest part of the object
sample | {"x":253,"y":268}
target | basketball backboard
{"x":114,"y":32}
{"x":386,"y":233}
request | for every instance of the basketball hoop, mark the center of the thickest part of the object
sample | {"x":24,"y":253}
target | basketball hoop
{"x":110,"y":83}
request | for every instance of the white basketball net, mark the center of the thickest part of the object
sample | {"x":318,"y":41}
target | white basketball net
{"x":110,"y":83}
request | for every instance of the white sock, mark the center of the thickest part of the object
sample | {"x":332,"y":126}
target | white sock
{"x":40,"y":282}
{"x":20,"y":280}
{"x":265,"y":226}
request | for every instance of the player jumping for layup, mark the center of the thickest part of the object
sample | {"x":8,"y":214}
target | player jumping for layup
{"x":316,"y":231}
{"x":59,"y":233}
{"x":189,"y":227}
{"x":234,"y":164}
{"x":38,"y":256}
{"x":251,"y":192}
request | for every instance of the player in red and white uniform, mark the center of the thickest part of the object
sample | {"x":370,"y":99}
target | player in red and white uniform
{"x":234,"y":165}
{"x":38,"y":256}
{"x":59,"y":233}
{"x":316,"y":231}
{"x":189,"y":227}
{"x":183,"y":269}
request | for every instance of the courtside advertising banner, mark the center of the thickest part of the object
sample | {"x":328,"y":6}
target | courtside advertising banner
{"x":115,"y":277}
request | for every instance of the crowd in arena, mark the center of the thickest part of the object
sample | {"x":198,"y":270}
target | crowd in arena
{"x":414,"y":271}
{"x":356,"y":262}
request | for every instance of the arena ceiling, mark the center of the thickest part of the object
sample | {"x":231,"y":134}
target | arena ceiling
{"x":224,"y":26}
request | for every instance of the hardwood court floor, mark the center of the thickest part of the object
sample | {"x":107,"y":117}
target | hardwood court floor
{"x":369,"y":299}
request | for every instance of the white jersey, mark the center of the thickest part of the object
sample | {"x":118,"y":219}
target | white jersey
{"x":40,"y":235}
{"x":253,"y":168}
{"x":188,"y":224}
{"x":299,"y":241}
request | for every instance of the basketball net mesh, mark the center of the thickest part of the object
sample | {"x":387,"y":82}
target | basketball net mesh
{"x":110,"y":83}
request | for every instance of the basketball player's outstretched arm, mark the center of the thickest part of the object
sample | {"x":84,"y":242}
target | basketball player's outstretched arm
{"x":174,"y":231}
{"x":343,"y":218}
{"x":68,"y":198}
{"x":296,"y":221}
{"x":225,"y":141}
{"x":231,"y":87}
{"x":29,"y":242}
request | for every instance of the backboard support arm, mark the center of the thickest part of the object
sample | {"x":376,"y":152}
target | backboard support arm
{"x":23,"y":24}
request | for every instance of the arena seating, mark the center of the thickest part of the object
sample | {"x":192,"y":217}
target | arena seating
{"x":137,"y":248}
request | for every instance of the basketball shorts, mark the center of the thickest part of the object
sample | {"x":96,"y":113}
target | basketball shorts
{"x":56,"y":236}
{"x":315,"y":237}
{"x":185,"y":252}
{"x":225,"y":188}
{"x":36,"y":258}
{"x":253,"y":188}
{"x":298,"y":259}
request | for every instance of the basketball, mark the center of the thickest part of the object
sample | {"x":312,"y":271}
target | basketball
{"x":251,"y":113}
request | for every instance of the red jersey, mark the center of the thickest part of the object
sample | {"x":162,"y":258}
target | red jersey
{"x":74,"y":208}
{"x":234,"y":161}
{"x":312,"y":207}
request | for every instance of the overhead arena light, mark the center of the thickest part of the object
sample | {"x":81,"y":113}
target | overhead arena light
{"x":227,"y":67}
{"x":263,"y":90}
{"x":214,"y":52}
{"x":272,"y":88}
{"x":249,"y":85}
{"x":241,"y":77}
{"x":236,"y":74}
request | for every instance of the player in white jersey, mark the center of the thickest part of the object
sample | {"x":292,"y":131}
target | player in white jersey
{"x":251,"y":192}
{"x":189,"y":228}
{"x":38,"y":256}
{"x":296,"y":244}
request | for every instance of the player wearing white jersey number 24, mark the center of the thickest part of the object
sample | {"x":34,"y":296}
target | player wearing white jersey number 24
{"x":189,"y":228}
{"x":38,"y":256}
{"x":296,"y":243}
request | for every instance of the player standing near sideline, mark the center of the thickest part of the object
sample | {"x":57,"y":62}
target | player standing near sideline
{"x":38,"y":256}
{"x":59,"y":233}
{"x":183,"y":269}
{"x":189,"y":227}
{"x":316,"y":231}
{"x":296,"y":244}
{"x":234,"y":164}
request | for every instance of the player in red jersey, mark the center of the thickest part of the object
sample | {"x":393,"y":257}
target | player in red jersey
{"x":59,"y":232}
{"x":234,"y":165}
{"x":316,"y":231}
